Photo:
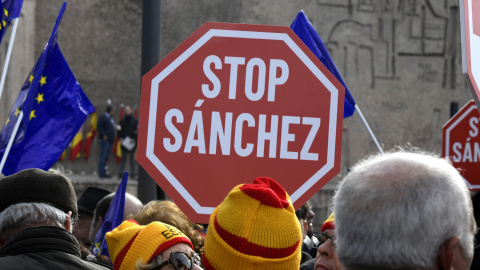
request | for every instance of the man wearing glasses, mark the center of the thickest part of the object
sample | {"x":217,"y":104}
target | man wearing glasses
{"x":327,"y":258}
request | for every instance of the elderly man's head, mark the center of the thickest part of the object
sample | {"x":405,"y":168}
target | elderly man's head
{"x":34,"y":198}
{"x":404,"y":210}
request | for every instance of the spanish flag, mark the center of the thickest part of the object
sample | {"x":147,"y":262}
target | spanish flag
{"x":63,"y":156}
{"x":117,"y":148}
{"x":77,"y":145}
{"x":92,"y":131}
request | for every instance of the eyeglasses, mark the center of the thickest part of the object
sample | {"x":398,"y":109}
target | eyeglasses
{"x":181,"y":261}
{"x":323,"y":238}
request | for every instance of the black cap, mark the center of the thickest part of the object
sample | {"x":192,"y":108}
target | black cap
{"x":89,"y":199}
{"x":38,"y":186}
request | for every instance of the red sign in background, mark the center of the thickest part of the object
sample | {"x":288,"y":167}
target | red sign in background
{"x":461,"y":143}
{"x":234,"y":102}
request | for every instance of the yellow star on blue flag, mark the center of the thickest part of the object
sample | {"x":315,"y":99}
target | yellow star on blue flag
{"x":32,"y":114}
{"x":39,"y":98}
{"x":49,"y":124}
{"x":43,"y":80}
{"x":11,"y":10}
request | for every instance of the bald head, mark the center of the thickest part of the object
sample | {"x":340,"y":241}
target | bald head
{"x":132,"y":206}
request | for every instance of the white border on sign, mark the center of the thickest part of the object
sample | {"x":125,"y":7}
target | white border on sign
{"x":449,"y":129}
{"x":250,"y":35}
{"x":469,"y":185}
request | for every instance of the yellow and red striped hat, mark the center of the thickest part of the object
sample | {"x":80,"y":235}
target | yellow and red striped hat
{"x":130,"y":242}
{"x":329,"y":223}
{"x":255,"y":227}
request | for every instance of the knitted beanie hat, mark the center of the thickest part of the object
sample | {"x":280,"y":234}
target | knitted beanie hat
{"x":255,"y":227}
{"x":130,"y":242}
{"x":329,"y":223}
{"x":38,"y":186}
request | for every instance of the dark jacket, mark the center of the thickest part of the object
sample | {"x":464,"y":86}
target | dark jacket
{"x":44,"y":248}
{"x":106,"y":127}
{"x":129,"y":127}
{"x":308,"y":265}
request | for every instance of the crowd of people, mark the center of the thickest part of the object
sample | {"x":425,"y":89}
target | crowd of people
{"x":399,"y":210}
{"x":126,"y":131}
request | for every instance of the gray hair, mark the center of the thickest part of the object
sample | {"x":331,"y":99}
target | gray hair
{"x":23,"y":215}
{"x":397,"y":209}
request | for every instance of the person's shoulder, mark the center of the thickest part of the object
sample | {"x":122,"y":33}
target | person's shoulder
{"x":55,"y":260}
{"x":102,"y":117}
{"x":8,"y":263}
{"x":96,"y":265}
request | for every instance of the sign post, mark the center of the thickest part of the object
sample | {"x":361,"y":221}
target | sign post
{"x":234,"y":102}
{"x":461,"y":143}
{"x":470,"y":35}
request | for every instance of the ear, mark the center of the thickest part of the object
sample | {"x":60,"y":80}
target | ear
{"x":447,"y":253}
{"x":68,"y":222}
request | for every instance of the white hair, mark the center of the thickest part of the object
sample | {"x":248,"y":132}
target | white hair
{"x":397,"y":209}
{"x":23,"y":215}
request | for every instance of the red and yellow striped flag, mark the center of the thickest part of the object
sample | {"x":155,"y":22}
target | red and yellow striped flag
{"x":117,"y":148}
{"x":77,"y":145}
{"x":63,"y":156}
{"x":92,"y":131}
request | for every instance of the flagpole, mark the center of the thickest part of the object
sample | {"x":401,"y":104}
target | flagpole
{"x":9,"y":53}
{"x":10,"y":141}
{"x":368,"y":128}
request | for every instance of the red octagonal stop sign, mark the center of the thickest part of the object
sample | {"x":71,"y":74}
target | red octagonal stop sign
{"x":461,"y":143}
{"x":234,"y":102}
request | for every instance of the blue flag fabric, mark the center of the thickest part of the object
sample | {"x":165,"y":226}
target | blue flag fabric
{"x":305,"y":31}
{"x":54,"y":108}
{"x":10,"y":9}
{"x":113,"y":218}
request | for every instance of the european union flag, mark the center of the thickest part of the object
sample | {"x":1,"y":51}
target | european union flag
{"x":10,"y":9}
{"x":113,"y":218}
{"x":305,"y":31}
{"x":54,"y":108}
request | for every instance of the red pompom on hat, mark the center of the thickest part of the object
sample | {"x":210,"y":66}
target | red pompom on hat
{"x":329,"y":223}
